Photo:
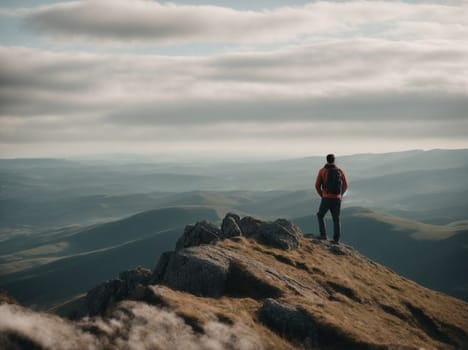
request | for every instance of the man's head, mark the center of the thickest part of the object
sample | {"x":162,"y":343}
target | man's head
{"x":330,"y":158}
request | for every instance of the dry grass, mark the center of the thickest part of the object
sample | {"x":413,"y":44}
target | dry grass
{"x":364,"y":301}
{"x":197,"y":311}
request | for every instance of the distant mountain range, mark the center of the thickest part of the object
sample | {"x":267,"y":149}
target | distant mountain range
{"x":65,"y":218}
{"x":35,"y":194}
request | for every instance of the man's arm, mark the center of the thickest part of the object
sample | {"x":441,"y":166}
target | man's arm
{"x":318,"y":184}
{"x":345,"y":182}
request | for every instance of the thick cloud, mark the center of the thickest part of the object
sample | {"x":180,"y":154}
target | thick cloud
{"x":367,"y":88}
{"x":142,"y":20}
{"x":345,"y":80}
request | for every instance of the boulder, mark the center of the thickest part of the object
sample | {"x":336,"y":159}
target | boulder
{"x":103,"y":295}
{"x":201,"y":233}
{"x":201,"y":271}
{"x":279,"y":234}
{"x":134,"y":277}
{"x":230,"y":226}
{"x":159,"y":270}
{"x":338,"y":250}
{"x":109,"y":292}
{"x":288,"y":321}
{"x":250,"y":225}
{"x":289,"y":226}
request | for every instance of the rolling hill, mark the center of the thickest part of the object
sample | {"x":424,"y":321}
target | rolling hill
{"x":71,"y":262}
{"x":48,"y":193}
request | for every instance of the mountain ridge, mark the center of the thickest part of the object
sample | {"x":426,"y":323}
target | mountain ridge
{"x":262,"y":285}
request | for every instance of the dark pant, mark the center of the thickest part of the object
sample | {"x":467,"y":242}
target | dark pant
{"x":334,"y":205}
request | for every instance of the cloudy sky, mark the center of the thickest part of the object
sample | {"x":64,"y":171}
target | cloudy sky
{"x":199,"y":79}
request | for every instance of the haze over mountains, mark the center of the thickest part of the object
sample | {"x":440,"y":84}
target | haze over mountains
{"x":60,"y":219}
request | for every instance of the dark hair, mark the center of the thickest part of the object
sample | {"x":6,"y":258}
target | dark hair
{"x":330,"y":158}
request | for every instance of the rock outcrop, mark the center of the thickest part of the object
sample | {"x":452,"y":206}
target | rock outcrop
{"x":279,"y":234}
{"x":230,"y":226}
{"x":112,"y":291}
{"x":289,"y":321}
{"x":211,"y":271}
{"x":198,"y":271}
{"x":201,"y":233}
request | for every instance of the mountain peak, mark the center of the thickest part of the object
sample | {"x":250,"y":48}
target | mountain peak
{"x":263,"y":284}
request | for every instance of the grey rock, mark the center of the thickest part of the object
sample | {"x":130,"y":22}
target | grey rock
{"x":212,"y":271}
{"x":250,"y":225}
{"x":134,"y":277}
{"x":288,"y":321}
{"x":160,"y":268}
{"x":201,"y":233}
{"x":296,"y":324}
{"x":100,"y":297}
{"x":109,"y":292}
{"x":289,"y":226}
{"x":338,"y":250}
{"x":230,"y":226}
{"x":279,"y":234}
{"x":234,"y":216}
{"x":201,"y":271}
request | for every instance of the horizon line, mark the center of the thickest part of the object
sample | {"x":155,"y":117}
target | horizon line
{"x":215,"y":159}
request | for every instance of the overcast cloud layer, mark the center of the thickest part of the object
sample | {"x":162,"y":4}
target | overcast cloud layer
{"x":165,"y":22}
{"x":375,"y":76}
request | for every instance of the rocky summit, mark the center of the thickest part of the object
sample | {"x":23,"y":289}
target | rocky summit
{"x":248,"y":284}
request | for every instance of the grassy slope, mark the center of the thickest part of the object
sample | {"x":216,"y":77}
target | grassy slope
{"x":432,"y":255}
{"x":358,"y":303}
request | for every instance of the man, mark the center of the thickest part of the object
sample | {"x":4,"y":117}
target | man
{"x":330,"y":184}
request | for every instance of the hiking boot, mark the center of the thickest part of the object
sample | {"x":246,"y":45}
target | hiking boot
{"x":335,"y":242}
{"x":323,"y":238}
